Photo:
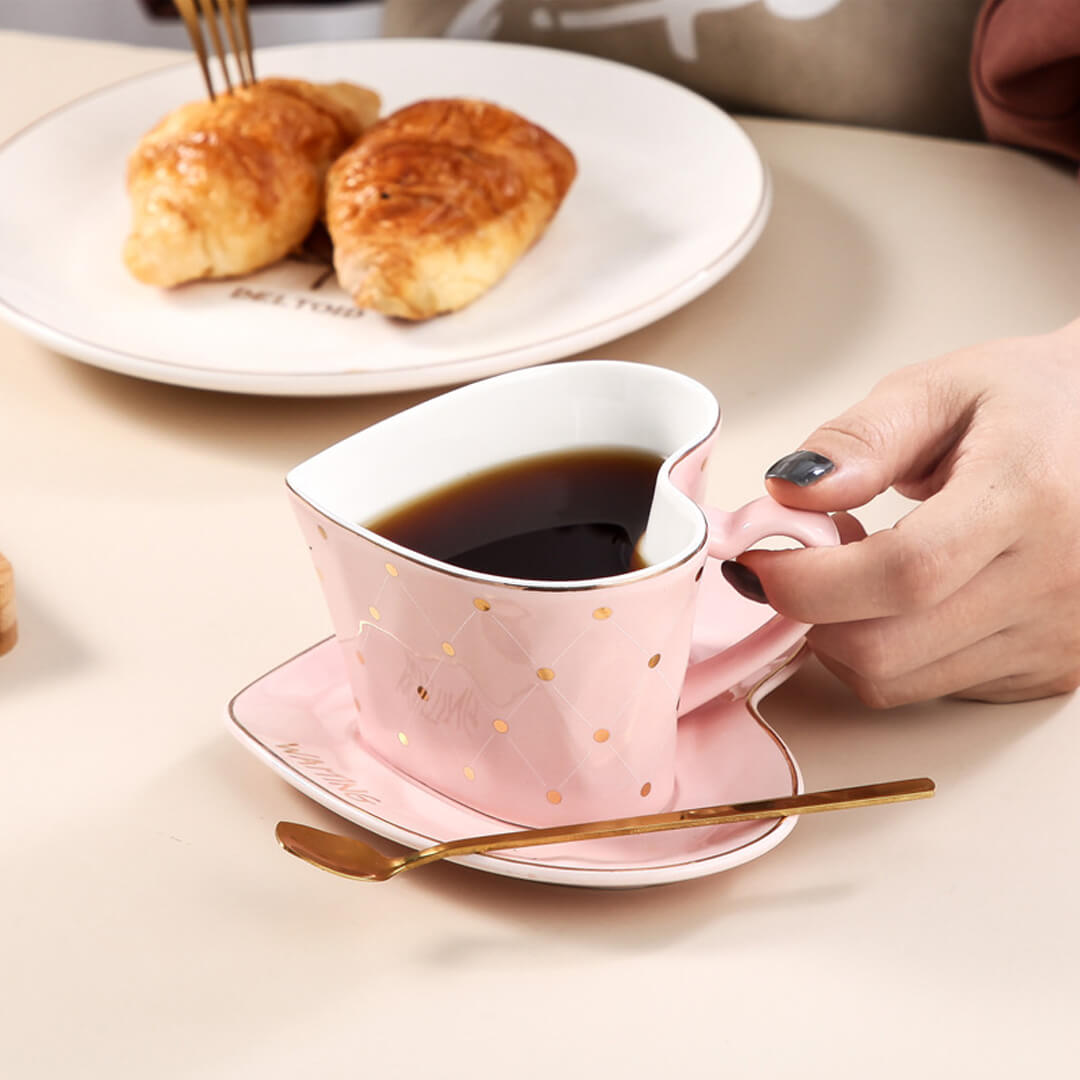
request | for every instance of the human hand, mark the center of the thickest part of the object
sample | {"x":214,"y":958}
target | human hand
{"x":976,"y":592}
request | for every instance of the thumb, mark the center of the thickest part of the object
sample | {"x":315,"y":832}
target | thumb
{"x":896,"y":435}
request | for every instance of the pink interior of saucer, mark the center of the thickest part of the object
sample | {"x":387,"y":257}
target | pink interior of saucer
{"x":302,"y":720}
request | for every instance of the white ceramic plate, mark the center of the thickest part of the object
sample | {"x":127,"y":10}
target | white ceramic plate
{"x":670,"y":196}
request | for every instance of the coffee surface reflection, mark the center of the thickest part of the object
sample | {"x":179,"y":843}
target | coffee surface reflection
{"x":559,"y":517}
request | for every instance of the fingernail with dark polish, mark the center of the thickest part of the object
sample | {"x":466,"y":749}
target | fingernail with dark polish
{"x":802,"y":468}
{"x":743,"y":580}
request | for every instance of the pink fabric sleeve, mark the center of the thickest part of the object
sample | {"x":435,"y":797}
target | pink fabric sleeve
{"x":1025,"y":71}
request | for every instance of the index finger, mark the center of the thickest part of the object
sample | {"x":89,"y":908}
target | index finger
{"x":929,"y":554}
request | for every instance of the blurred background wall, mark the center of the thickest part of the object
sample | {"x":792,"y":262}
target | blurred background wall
{"x":154,"y":22}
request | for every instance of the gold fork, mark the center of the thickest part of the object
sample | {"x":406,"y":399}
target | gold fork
{"x":234,"y":14}
{"x":354,"y":859}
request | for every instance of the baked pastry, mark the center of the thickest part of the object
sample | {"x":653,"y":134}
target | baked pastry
{"x":9,"y":629}
{"x":436,"y":203}
{"x":226,"y":187}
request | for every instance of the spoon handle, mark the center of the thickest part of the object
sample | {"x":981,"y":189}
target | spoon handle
{"x":814,"y":802}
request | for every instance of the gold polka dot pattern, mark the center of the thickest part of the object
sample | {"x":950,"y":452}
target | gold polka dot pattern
{"x":401,"y":597}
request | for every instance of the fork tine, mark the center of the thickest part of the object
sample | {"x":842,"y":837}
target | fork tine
{"x":215,"y":36}
{"x":225,"y":6}
{"x":245,"y":37}
{"x":191,"y":21}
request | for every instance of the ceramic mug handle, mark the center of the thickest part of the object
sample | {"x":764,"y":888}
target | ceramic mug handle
{"x":730,"y":534}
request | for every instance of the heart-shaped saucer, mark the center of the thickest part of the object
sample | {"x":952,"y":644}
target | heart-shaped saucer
{"x":300,"y":720}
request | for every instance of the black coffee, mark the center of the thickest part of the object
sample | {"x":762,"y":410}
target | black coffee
{"x":559,"y":517}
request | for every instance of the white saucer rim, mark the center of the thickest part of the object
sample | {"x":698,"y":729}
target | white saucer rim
{"x":357,"y":381}
{"x":535,"y":869}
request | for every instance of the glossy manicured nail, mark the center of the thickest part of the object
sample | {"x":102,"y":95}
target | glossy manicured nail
{"x":743,"y":580}
{"x":802,"y":468}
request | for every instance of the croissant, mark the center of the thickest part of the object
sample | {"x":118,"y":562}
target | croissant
{"x":437,"y":202}
{"x":226,"y":187}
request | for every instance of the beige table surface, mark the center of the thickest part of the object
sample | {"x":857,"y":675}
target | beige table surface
{"x":150,"y":927}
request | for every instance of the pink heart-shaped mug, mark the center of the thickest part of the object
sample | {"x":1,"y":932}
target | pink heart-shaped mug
{"x":536,"y":702}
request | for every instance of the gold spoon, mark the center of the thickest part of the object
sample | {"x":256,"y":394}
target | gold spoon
{"x":353,"y":858}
